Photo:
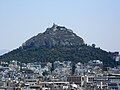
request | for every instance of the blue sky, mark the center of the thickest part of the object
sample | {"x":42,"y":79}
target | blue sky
{"x":96,"y":21}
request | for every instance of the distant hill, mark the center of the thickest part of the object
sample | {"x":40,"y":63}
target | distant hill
{"x":58,"y":43}
{"x":3,"y":51}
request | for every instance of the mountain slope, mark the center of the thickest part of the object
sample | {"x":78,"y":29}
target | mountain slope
{"x":3,"y":51}
{"x":58,"y":43}
{"x":54,"y":36}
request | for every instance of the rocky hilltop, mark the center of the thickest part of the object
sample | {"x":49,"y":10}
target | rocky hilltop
{"x":55,"y":36}
{"x":58,"y":44}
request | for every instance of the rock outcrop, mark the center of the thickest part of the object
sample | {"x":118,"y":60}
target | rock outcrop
{"x":55,"y":36}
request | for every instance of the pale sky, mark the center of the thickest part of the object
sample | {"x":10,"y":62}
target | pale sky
{"x":96,"y":21}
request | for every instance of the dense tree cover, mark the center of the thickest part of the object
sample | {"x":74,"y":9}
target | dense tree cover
{"x":81,"y":53}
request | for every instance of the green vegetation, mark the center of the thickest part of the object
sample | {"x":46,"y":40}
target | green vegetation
{"x":81,"y":53}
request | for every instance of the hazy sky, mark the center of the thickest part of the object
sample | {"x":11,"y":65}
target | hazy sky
{"x":96,"y":21}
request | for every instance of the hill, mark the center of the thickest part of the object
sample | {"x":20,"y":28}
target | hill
{"x":3,"y":51}
{"x":54,"y":36}
{"x":58,"y":43}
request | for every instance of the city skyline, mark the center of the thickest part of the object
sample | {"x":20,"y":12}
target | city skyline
{"x":97,"y":22}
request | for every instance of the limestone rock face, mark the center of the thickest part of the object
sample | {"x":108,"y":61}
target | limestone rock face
{"x":54,"y":36}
